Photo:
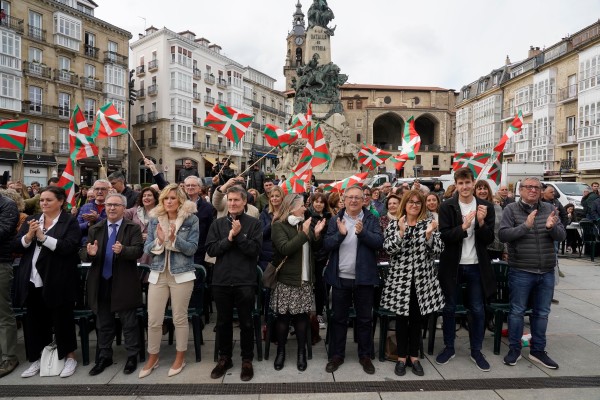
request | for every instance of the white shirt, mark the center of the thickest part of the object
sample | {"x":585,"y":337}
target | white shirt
{"x":469,"y":253}
{"x":50,"y":243}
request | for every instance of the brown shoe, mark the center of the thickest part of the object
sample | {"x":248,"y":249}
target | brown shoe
{"x":334,"y":364}
{"x":367,"y":365}
{"x":222,"y":366}
{"x":247,"y":371}
{"x":8,"y":366}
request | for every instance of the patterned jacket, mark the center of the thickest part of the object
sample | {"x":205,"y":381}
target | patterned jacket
{"x":412,"y":258}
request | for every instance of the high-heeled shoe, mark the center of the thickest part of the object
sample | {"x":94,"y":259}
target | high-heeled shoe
{"x":173,"y":372}
{"x":145,"y":372}
{"x":279,"y":360}
{"x":302,"y":360}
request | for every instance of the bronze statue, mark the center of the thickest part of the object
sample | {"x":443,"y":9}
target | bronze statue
{"x":319,"y":14}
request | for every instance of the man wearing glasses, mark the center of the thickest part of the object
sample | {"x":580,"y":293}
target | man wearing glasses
{"x":93,"y":212}
{"x":467,"y":228}
{"x":113,"y":283}
{"x":353,"y":238}
{"x":530,"y":227}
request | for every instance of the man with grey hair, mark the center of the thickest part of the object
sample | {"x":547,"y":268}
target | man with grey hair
{"x":117,"y":181}
{"x":530,"y":227}
{"x":206,"y":213}
{"x":504,"y":198}
{"x":93,"y":212}
{"x":113,"y":284}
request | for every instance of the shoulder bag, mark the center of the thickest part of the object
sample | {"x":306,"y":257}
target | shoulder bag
{"x":270,"y":275}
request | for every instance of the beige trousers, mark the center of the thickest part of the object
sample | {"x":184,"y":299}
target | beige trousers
{"x":158,"y":295}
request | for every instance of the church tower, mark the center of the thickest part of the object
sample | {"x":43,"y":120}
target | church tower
{"x":296,"y":47}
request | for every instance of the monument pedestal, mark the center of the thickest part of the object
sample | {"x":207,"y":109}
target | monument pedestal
{"x":317,"y":42}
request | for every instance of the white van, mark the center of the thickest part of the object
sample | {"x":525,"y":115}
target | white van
{"x":565,"y":192}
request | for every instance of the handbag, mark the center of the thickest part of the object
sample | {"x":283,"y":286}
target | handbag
{"x":269,"y":277}
{"x":50,"y":365}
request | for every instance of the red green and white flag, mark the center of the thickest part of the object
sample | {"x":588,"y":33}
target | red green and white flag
{"x":303,"y":122}
{"x":314,"y":154}
{"x":228,"y":121}
{"x":67,"y":182}
{"x":13,"y":134}
{"x":81,"y":142}
{"x":495,"y":171}
{"x":411,"y":141}
{"x":340,"y":186}
{"x":292,"y":185}
{"x":371,"y":156}
{"x":474,"y":161}
{"x":278,"y":137}
{"x":108,"y":122}
{"x":515,"y":128}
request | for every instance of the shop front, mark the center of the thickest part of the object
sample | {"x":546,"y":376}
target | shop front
{"x":38,"y":168}
{"x":7,"y":162}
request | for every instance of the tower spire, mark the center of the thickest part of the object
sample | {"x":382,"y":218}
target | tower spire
{"x":298,"y":15}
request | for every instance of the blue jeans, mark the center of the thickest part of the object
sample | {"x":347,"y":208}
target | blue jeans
{"x":470,"y":275}
{"x":521,"y":286}
{"x":341,"y":301}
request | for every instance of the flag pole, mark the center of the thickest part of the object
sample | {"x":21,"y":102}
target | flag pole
{"x":136,"y":145}
{"x":257,"y":161}
{"x":221,"y":169}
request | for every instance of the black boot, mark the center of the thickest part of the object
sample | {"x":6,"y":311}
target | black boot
{"x":302,"y":360}
{"x":279,"y":359}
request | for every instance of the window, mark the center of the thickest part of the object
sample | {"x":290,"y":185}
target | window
{"x":350,"y":105}
{"x":64,"y":63}
{"x":5,"y":5}
{"x":34,"y":139}
{"x":181,"y":56}
{"x":64,"y":104}
{"x":358,"y":104}
{"x":63,"y":140}
{"x":67,"y":31}
{"x":89,"y":71}
{"x":10,"y":50}
{"x":89,"y":109}
{"x":35,"y":55}
{"x":10,"y":92}
{"x":35,"y":26}
{"x":570,"y":126}
{"x":114,"y":80}
{"x":181,"y":134}
{"x":35,"y":99}
{"x":181,"y":81}
{"x":113,"y":47}
{"x":112,"y":146}
{"x":572,"y":86}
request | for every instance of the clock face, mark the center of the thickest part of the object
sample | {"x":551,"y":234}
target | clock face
{"x":299,"y":40}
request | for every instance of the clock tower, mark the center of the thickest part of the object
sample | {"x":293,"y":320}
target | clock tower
{"x":296,"y":47}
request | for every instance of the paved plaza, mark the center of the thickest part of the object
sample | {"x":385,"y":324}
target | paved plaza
{"x":573,"y":341}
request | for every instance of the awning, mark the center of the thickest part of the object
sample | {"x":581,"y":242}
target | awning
{"x":39,"y":159}
{"x":269,"y":155}
{"x":8,"y":155}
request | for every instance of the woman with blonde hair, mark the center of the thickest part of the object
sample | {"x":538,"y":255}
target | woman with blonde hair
{"x":292,"y":297}
{"x":172,"y":242}
{"x":411,"y":289}
{"x":276,"y":196}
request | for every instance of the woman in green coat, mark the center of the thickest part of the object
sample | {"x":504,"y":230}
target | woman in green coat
{"x":292,"y":296}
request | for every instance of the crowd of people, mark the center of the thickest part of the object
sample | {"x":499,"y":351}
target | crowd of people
{"x":330,"y":247}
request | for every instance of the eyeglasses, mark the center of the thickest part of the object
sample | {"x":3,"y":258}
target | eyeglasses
{"x":354,"y":198}
{"x":414,"y":203}
{"x":531,"y":187}
{"x":101,"y":189}
{"x":114,"y":205}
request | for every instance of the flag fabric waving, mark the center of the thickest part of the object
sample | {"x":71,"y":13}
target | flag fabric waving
{"x":13,"y":134}
{"x":515,"y":128}
{"x":411,"y":141}
{"x":108,"y":122}
{"x":80,"y":139}
{"x":495,"y":171}
{"x":278,"y":137}
{"x":292,"y":185}
{"x":371,"y":156}
{"x":340,"y":186}
{"x":303,"y":122}
{"x":314,"y":154}
{"x":67,"y":182}
{"x":474,"y":161}
{"x":229,"y":122}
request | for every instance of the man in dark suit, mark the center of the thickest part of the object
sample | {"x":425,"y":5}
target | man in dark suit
{"x":114,"y":286}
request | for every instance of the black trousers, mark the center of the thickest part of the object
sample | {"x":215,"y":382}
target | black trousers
{"x":105,"y":324}
{"x":408,"y":328}
{"x":42,"y":321}
{"x":226,"y":299}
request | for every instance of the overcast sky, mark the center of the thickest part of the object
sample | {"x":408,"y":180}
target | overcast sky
{"x":395,"y":42}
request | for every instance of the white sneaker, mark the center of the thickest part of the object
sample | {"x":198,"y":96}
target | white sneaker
{"x":69,"y":368}
{"x":33,"y":370}
{"x":322,"y":324}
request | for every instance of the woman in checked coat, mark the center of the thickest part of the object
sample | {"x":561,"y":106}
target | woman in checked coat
{"x":411,"y":288}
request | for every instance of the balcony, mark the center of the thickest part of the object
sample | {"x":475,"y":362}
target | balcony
{"x":91,"y":84}
{"x":209,"y":78}
{"x":140,"y":70}
{"x":268,"y":109}
{"x":255,"y":125}
{"x":60,"y":148}
{"x":152,"y":142}
{"x":222,"y":102}
{"x":141,"y":93}
{"x":141,"y":143}
{"x":140,"y":119}
{"x":91,"y":51}
{"x":567,"y":94}
{"x":255,"y":103}
{"x":10,"y":62}
{"x":113,"y":154}
{"x":197,"y":121}
{"x":568,"y":165}
{"x":36,"y":33}
{"x":566,"y":138}
{"x":64,"y":76}
{"x":116,"y":58}
{"x":12,"y":23}
{"x":152,"y":116}
{"x":281,"y":113}
{"x":197,"y":96}
{"x":152,"y":90}
{"x":152,"y":65}
{"x":222,"y":83}
{"x":209,"y":100}
{"x":36,"y":145}
{"x":197,"y":73}
{"x":37,"y":69}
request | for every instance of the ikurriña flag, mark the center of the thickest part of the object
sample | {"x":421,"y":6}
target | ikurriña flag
{"x":278,"y":137}
{"x":228,"y":121}
{"x":340,"y":186}
{"x":67,"y":182}
{"x":108,"y":122}
{"x":515,"y":127}
{"x":81,"y":142}
{"x":13,"y":134}
{"x":371,"y":156}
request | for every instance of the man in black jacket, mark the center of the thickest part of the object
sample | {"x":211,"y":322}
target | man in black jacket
{"x":236,"y":241}
{"x":9,"y":216}
{"x":187,"y":170}
{"x":467,"y":228}
{"x":117,"y":181}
